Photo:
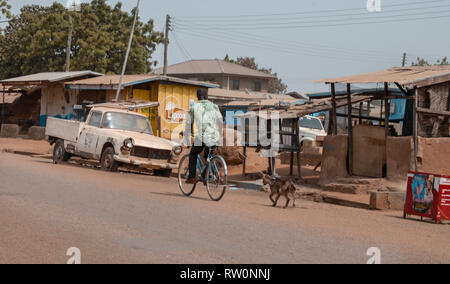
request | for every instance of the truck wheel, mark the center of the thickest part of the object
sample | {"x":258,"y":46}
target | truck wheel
{"x":59,"y":153}
{"x":108,"y":162}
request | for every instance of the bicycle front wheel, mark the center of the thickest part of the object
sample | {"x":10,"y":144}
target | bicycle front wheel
{"x":183,"y":174}
{"x":216,"y":181}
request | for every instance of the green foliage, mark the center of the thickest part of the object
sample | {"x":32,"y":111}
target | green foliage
{"x":36,"y":40}
{"x":276,"y":86}
{"x":423,"y":62}
{"x":5,"y":9}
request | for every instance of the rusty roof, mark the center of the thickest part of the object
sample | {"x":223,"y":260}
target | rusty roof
{"x":406,"y":76}
{"x":213,"y":67}
{"x":286,"y":111}
{"x":240,"y":96}
{"x":111,"y":82}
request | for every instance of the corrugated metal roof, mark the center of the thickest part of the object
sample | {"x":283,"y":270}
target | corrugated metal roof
{"x":50,"y":77}
{"x":295,"y":111}
{"x":406,"y":76}
{"x":111,"y":82}
{"x":229,"y":95}
{"x":212,"y":67}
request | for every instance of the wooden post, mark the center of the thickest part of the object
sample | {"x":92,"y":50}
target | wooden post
{"x":416,"y":127}
{"x":291,"y":167}
{"x":298,"y":143}
{"x":244,"y":165}
{"x":361,"y":106}
{"x":333,"y":117}
{"x":3,"y":105}
{"x":350,"y":129}
{"x":387,"y":109}
{"x":274,"y":166}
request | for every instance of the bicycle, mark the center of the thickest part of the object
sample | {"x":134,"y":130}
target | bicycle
{"x":212,"y":173}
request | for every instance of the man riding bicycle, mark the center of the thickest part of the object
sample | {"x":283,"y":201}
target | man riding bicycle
{"x":209,"y":122}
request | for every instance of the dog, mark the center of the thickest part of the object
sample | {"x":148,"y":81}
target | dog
{"x":278,"y":188}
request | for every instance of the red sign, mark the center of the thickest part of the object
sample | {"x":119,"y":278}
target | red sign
{"x":428,"y":196}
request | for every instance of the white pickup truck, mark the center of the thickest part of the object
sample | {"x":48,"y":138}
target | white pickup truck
{"x":311,"y":129}
{"x":115,"y":135}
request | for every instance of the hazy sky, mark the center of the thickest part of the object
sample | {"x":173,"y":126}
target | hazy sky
{"x":301,"y":40}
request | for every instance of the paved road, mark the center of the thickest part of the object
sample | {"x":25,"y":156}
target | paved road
{"x":124,"y":218}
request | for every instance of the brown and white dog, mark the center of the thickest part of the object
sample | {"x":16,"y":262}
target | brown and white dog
{"x":280,"y":187}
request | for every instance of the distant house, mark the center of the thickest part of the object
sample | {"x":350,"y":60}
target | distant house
{"x":228,"y":76}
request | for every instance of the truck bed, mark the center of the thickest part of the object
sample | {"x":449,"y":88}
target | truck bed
{"x":63,"y":129}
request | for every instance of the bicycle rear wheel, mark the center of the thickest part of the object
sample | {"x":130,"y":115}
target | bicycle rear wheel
{"x":183,"y":174}
{"x":216,"y":178}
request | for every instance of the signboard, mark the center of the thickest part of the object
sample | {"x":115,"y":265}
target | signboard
{"x":428,"y":196}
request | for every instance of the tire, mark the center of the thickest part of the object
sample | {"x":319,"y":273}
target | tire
{"x":216,"y":178}
{"x":183,"y":173}
{"x":107,"y":161}
{"x":59,"y":153}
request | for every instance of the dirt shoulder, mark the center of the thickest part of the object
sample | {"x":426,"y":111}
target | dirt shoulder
{"x":25,"y":145}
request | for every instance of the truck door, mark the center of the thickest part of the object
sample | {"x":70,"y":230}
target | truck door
{"x":87,"y":142}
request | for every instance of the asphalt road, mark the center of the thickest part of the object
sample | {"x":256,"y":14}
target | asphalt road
{"x":46,"y":209}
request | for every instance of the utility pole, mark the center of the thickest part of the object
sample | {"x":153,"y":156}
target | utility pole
{"x":71,"y":8}
{"x":166,"y":43}
{"x":124,"y":67}
{"x":69,"y":43}
{"x":404,"y":60}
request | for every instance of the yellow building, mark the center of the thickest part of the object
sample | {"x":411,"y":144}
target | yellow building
{"x":175,"y":96}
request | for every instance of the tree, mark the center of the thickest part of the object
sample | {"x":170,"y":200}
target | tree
{"x":276,"y":86}
{"x":36,"y":40}
{"x":5,"y":9}
{"x":423,"y":62}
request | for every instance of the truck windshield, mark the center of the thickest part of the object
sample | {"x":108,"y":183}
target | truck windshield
{"x":313,"y":123}
{"x":125,"y":121}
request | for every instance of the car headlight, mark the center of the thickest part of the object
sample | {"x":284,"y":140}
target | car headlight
{"x":177,"y":150}
{"x":128,"y":143}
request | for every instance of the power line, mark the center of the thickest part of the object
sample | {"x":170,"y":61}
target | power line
{"x":295,"y":46}
{"x":291,"y":20}
{"x":310,"y":12}
{"x":280,"y":49}
{"x":329,"y":23}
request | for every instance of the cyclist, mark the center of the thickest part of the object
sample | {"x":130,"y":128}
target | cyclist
{"x":209,"y":122}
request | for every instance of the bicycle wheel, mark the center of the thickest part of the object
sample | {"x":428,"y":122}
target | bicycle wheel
{"x":183,"y":173}
{"x":216,"y":178}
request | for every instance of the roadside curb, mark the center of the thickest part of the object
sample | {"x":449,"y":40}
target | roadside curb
{"x":22,"y":153}
{"x":307,"y":195}
{"x":247,"y":185}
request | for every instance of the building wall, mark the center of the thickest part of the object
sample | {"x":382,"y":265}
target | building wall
{"x":435,"y":98}
{"x":244,"y":82}
{"x":175,"y":102}
{"x":57,"y":102}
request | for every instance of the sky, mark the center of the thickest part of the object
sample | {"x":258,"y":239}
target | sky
{"x":303,"y":40}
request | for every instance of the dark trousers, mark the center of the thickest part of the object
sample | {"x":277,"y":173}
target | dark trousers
{"x":195,"y":151}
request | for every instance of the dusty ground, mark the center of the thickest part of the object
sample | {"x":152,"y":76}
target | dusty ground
{"x":25,"y":145}
{"x":124,"y":218}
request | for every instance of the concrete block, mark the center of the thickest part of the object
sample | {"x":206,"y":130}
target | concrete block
{"x":334,"y":158}
{"x":387,"y":200}
{"x":36,"y":133}
{"x":10,"y":130}
{"x":400,"y":155}
{"x":369,"y":151}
